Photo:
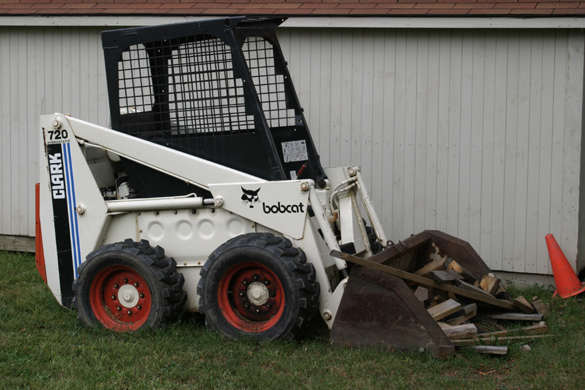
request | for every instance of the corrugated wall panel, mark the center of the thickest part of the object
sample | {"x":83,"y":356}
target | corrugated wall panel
{"x":474,"y":132}
{"x":44,"y":70}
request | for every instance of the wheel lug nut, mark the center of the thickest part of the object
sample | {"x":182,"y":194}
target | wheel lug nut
{"x":129,"y":312}
{"x":246,"y":305}
{"x":139,"y":307}
{"x":269,"y":305}
{"x":241,"y":294}
{"x":113,"y":297}
{"x":255,"y":277}
{"x":135,"y":284}
{"x":116,"y":286}
{"x":245,"y":282}
{"x":266,"y":282}
{"x":125,"y":280}
{"x":119,"y":308}
{"x":257,"y":310}
{"x":141,"y":295}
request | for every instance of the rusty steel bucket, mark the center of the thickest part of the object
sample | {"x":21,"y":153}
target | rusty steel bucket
{"x":379,"y":309}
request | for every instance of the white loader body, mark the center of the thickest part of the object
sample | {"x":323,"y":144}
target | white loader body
{"x":80,"y":159}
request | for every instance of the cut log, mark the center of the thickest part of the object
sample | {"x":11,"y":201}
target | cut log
{"x":490,"y":284}
{"x":443,"y":324}
{"x":522,"y":304}
{"x":444,"y":309}
{"x":460,"y":331}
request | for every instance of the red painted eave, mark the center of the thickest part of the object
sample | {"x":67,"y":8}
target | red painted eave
{"x":295,"y":7}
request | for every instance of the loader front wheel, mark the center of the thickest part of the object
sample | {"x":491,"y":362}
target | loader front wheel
{"x":128,"y":286}
{"x":258,"y":285}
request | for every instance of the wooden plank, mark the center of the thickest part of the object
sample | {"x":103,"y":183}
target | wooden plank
{"x":432,"y":266}
{"x":461,"y":319}
{"x":516,"y":316}
{"x":522,"y":304}
{"x":444,"y":309}
{"x":529,"y":330}
{"x":495,"y":340}
{"x":466,"y":313}
{"x":469,"y":287}
{"x":460,"y":331}
{"x":491,"y":349}
{"x":455,"y":274}
{"x":455,"y":266}
{"x":443,"y":276}
{"x":483,"y":297}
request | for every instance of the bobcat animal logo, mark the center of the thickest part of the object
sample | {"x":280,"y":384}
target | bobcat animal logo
{"x":250,"y":197}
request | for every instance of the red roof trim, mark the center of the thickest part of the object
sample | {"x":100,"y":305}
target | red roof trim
{"x":295,"y":7}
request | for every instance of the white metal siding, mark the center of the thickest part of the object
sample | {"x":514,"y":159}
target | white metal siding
{"x":44,"y":70}
{"x":474,"y":132}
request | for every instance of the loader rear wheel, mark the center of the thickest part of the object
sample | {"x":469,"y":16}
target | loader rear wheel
{"x":258,"y":285}
{"x":128,"y":286}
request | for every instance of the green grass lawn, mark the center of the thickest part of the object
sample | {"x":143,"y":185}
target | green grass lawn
{"x":43,"y":347}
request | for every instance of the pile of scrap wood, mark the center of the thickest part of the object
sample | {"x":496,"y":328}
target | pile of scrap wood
{"x":463,"y":304}
{"x":472,"y":311}
{"x":464,"y":307}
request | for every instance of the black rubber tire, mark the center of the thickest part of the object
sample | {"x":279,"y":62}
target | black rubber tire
{"x":103,"y":276}
{"x":290,"y":283}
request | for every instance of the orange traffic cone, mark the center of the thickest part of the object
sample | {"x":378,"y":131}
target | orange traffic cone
{"x":568,"y":284}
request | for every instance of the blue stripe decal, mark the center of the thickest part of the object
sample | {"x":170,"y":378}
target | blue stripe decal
{"x":72,"y":202}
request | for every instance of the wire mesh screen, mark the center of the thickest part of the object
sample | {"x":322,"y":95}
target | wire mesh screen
{"x":135,"y":81}
{"x":270,"y":86}
{"x":195,"y":88}
{"x":192,"y":86}
{"x":204,"y":94}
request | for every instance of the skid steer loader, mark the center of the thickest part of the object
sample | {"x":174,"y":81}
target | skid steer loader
{"x":207,"y":195}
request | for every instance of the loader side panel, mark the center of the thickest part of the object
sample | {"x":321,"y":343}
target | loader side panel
{"x":64,"y":216}
{"x":72,"y":212}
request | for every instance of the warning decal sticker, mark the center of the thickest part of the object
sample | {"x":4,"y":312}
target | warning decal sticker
{"x":295,"y":151}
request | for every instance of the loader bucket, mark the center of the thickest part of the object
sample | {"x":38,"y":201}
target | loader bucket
{"x":379,"y":309}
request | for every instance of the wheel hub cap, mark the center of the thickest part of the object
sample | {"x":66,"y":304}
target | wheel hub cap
{"x":128,"y":296}
{"x":251,"y":297}
{"x":258,"y":294}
